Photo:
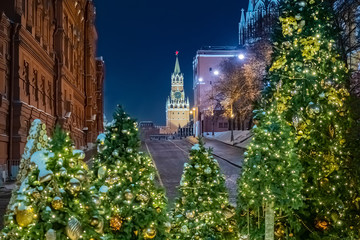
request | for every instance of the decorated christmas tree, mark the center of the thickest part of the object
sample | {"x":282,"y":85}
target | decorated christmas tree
{"x":132,"y":205}
{"x":307,"y":81}
{"x":270,"y":183}
{"x":54,"y":201}
{"x":202,"y":210}
{"x":37,"y":140}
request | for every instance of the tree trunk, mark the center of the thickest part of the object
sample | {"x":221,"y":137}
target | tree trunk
{"x":213,"y":126}
{"x":232,"y":130}
{"x":269,"y":221}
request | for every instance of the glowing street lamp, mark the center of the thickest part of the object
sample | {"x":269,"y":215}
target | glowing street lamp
{"x":194,"y":126}
{"x":201,"y":79}
{"x":216,"y":73}
{"x":241,"y":56}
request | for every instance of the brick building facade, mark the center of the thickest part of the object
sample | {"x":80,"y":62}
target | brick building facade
{"x":48,"y":70}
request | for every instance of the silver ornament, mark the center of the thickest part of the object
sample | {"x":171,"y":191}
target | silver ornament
{"x":207,"y":170}
{"x":50,"y":234}
{"x":73,"y":229}
{"x":80,"y":175}
{"x":302,"y":4}
{"x":102,"y":172}
{"x":143,"y":196}
{"x":115,"y":153}
{"x":313,"y":109}
{"x":103,"y":189}
{"x":184,"y":229}
{"x":296,"y":121}
{"x":63,"y":172}
{"x":96,"y":200}
{"x":74,"y":186}
{"x":329,"y":83}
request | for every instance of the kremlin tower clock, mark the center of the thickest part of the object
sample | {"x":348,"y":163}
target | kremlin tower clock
{"x":177,"y":108}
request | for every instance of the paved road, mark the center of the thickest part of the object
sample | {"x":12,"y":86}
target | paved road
{"x":170,"y":156}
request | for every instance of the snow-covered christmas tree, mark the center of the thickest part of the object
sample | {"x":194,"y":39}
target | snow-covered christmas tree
{"x":202,"y":211}
{"x":132,"y":205}
{"x":54,"y":201}
{"x":37,"y":140}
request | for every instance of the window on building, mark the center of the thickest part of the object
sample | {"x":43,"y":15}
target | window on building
{"x":226,"y":125}
{"x":210,"y":69}
{"x":221,"y":125}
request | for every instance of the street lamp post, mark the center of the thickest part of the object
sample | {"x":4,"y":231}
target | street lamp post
{"x":194,"y":123}
{"x":212,"y":109}
{"x":232,"y":124}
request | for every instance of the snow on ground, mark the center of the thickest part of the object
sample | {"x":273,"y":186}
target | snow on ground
{"x":241,"y":138}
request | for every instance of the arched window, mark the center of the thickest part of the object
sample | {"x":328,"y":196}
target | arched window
{"x":273,"y":7}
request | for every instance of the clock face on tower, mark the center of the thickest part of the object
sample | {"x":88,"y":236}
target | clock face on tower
{"x":177,"y":95}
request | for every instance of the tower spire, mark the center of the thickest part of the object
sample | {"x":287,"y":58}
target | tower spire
{"x":251,"y":6}
{"x":177,"y":65}
{"x":242,"y":20}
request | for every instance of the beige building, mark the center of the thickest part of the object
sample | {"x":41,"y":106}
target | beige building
{"x":177,"y":106}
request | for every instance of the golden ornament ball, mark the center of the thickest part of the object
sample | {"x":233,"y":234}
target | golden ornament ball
{"x":115,"y":223}
{"x":25,"y":217}
{"x":35,"y":195}
{"x":128,"y":195}
{"x":279,"y":230}
{"x":99,"y":228}
{"x":190,"y":214}
{"x":74,"y":186}
{"x":229,"y":212}
{"x":94,"y":221}
{"x":57,"y":203}
{"x":230,"y":228}
{"x":322,"y":224}
{"x":72,"y":163}
{"x":73,"y":229}
{"x":149,"y":233}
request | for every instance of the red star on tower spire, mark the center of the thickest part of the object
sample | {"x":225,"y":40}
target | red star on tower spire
{"x":177,"y":53}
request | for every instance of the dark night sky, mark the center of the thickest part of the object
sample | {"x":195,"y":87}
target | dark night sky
{"x":138,"y":40}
